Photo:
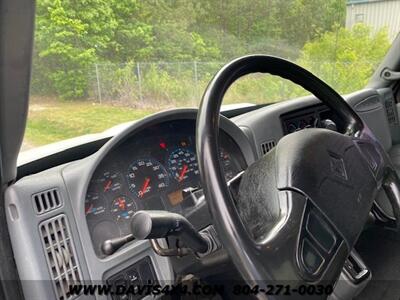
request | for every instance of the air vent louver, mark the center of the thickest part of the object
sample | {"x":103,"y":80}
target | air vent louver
{"x":46,"y":201}
{"x":267,"y":146}
{"x":60,"y":255}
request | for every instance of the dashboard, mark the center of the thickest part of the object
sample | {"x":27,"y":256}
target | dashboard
{"x":148,"y":164}
{"x":152,"y":170}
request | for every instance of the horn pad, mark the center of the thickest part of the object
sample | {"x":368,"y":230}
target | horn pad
{"x":324,"y":166}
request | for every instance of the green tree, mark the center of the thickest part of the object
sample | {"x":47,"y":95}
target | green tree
{"x":269,"y":26}
{"x":73,"y":35}
{"x":69,"y":36}
{"x":346,"y":58}
{"x":133,"y":37}
{"x":304,"y":20}
{"x":176,"y":34}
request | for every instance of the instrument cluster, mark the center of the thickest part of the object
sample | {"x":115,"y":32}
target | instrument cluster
{"x":150,"y":171}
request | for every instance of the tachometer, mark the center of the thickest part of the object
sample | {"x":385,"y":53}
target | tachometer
{"x":183,"y":165}
{"x":146,"y":176}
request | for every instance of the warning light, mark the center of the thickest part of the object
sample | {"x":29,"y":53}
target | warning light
{"x":163,"y":145}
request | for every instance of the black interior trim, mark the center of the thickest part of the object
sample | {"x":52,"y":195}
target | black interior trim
{"x":239,"y":111}
{"x":60,"y":158}
{"x":86,"y":149}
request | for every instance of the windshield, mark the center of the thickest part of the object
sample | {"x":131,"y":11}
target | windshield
{"x":97,"y":64}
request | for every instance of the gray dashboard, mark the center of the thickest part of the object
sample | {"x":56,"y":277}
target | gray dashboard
{"x":54,"y":200}
{"x":264,"y":126}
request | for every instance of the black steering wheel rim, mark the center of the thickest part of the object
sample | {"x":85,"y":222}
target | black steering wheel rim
{"x":235,"y":237}
{"x":283,"y":68}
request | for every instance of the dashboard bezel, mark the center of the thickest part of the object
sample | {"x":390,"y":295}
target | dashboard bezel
{"x":78,"y":175}
{"x":129,"y":167}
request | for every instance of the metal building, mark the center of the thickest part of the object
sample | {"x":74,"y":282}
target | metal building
{"x":375,"y":13}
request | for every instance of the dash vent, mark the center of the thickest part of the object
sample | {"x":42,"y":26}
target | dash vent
{"x":60,"y":255}
{"x":46,"y":201}
{"x":267,"y":146}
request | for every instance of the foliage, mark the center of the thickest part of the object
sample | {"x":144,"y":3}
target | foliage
{"x":115,"y":82}
{"x":113,"y":50}
{"x":346,"y":65}
{"x":342,"y":57}
{"x":261,"y":89}
{"x":71,"y":36}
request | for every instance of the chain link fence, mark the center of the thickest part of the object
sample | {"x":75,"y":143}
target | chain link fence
{"x":146,"y":84}
{"x":161,"y":85}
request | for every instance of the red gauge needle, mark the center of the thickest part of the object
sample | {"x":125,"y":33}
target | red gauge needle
{"x":121,"y":203}
{"x":89,"y":209}
{"x":145,"y":186}
{"x":183,"y":172}
{"x":107,"y":186}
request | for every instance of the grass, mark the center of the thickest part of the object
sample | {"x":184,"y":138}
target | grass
{"x":52,"y":120}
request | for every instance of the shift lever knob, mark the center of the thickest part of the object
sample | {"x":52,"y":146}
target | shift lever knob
{"x":155,"y":224}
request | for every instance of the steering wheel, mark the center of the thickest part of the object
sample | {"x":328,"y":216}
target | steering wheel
{"x":301,"y":207}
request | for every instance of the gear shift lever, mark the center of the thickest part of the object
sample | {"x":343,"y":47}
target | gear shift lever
{"x":154,"y":224}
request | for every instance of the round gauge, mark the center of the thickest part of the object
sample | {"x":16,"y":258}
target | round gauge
{"x":123,"y":208}
{"x":147,"y":176}
{"x":94,"y":204}
{"x":110,"y":181}
{"x":225,"y":160}
{"x":183,"y":165}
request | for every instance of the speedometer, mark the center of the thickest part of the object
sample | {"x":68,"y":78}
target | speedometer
{"x":183,"y":165}
{"x":146,"y":177}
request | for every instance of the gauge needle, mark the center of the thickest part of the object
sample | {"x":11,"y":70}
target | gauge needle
{"x":183,"y":172}
{"x":107,"y":185}
{"x":89,"y":209}
{"x":145,"y":186}
{"x":121,"y":203}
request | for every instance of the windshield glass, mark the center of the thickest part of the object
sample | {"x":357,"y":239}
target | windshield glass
{"x":97,"y":64}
